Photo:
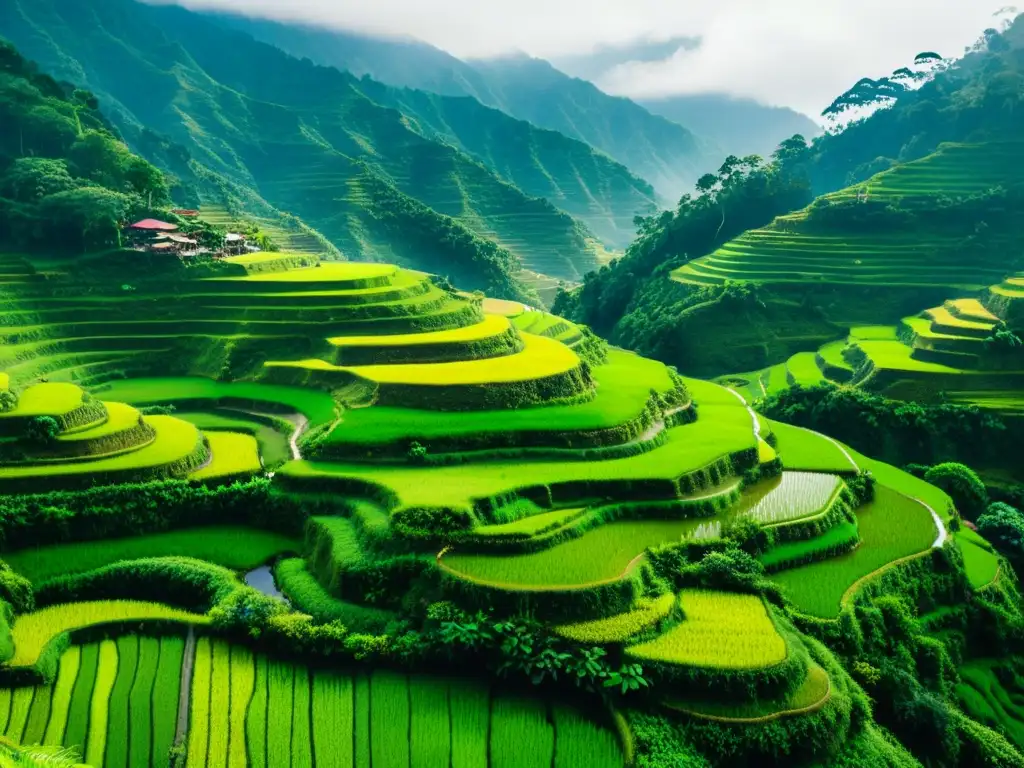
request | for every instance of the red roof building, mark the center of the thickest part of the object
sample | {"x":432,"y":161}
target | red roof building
{"x":153,"y":225}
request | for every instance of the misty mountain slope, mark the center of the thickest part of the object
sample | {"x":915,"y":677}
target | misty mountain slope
{"x":300,"y":135}
{"x":664,"y":153}
{"x":739,"y":126}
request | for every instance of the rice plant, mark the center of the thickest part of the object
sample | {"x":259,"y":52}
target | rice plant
{"x":722,"y":629}
{"x":165,"y":702}
{"x":792,"y":496}
{"x":256,"y":716}
{"x":106,"y":672}
{"x":333,"y":723}
{"x":361,"y":707}
{"x":77,"y":730}
{"x":521,"y":736}
{"x":32,"y":631}
{"x":140,"y":702}
{"x":470,"y":720}
{"x":430,"y":730}
{"x":614,"y":629}
{"x":199,"y":708}
{"x":243,"y":681}
{"x":117,"y":712}
{"x":281,"y":679}
{"x":21,"y":702}
{"x":302,"y":741}
{"x":579,"y":743}
{"x":705,"y":532}
{"x":60,"y":705}
{"x":38,"y":715}
{"x":389,"y":718}
{"x":220,"y":705}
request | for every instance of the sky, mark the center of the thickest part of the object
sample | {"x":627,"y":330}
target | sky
{"x":796,"y":53}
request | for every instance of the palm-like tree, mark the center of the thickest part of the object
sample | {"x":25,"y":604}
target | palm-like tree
{"x":13,"y":755}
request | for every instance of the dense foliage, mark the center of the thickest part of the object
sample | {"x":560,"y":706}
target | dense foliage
{"x":893,"y":430}
{"x":67,"y":183}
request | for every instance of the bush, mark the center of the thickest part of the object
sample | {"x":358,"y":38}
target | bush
{"x":1003,"y":526}
{"x":963,"y":485}
{"x":42,"y":430}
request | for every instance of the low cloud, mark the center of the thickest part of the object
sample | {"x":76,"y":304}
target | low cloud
{"x":798,"y":53}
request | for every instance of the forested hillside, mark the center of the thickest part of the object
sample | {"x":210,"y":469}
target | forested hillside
{"x":67,"y":183}
{"x":665,"y":153}
{"x":786,"y":302}
{"x":309,"y":140}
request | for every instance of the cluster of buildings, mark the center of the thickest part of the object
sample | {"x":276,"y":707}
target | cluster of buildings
{"x":158,"y":236}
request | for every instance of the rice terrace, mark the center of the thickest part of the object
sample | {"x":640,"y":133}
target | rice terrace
{"x":319,"y":470}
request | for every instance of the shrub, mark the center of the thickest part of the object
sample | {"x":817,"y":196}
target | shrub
{"x":962,"y":484}
{"x":8,"y":401}
{"x":42,"y":430}
{"x":1003,"y":525}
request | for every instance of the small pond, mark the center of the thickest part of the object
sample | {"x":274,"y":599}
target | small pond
{"x":262,"y":578}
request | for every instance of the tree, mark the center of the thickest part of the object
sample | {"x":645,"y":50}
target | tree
{"x":1003,"y":526}
{"x":42,"y":430}
{"x":86,"y":218}
{"x":29,"y":179}
{"x":962,"y":484}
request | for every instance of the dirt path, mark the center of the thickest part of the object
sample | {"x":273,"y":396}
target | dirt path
{"x":658,"y":426}
{"x":301,"y":424}
{"x":184,"y":695}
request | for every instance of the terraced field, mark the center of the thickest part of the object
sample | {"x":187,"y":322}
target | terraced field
{"x":420,"y":454}
{"x":794,"y":250}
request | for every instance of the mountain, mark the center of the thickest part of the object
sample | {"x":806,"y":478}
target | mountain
{"x":309,"y":140}
{"x":739,"y":126}
{"x":659,"y":150}
{"x":916,"y":204}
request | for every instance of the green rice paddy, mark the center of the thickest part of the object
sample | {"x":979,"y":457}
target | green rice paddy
{"x":986,"y":699}
{"x":788,"y":497}
{"x":236,"y":547}
{"x":232,"y":455}
{"x":272,"y":440}
{"x":891,"y":527}
{"x":49,"y":399}
{"x":725,"y":630}
{"x":319,"y":407}
{"x":624,"y":386}
{"x":802,"y":449}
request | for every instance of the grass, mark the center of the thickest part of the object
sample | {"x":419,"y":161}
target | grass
{"x":38,"y":715}
{"x":236,"y":547}
{"x":624,"y":386}
{"x":721,"y":431}
{"x":616,"y":629}
{"x":521,"y":736}
{"x":540,"y":358}
{"x":361,"y":708}
{"x":175,"y":442}
{"x":21,"y":704}
{"x":273,"y":440}
{"x":318,"y":407}
{"x":601,"y":554}
{"x":232,"y":455}
{"x":788,"y":497}
{"x":891,"y":527}
{"x":789,"y":551}
{"x":802,"y":449}
{"x":48,"y":399}
{"x":34,"y":631}
{"x":723,"y":630}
